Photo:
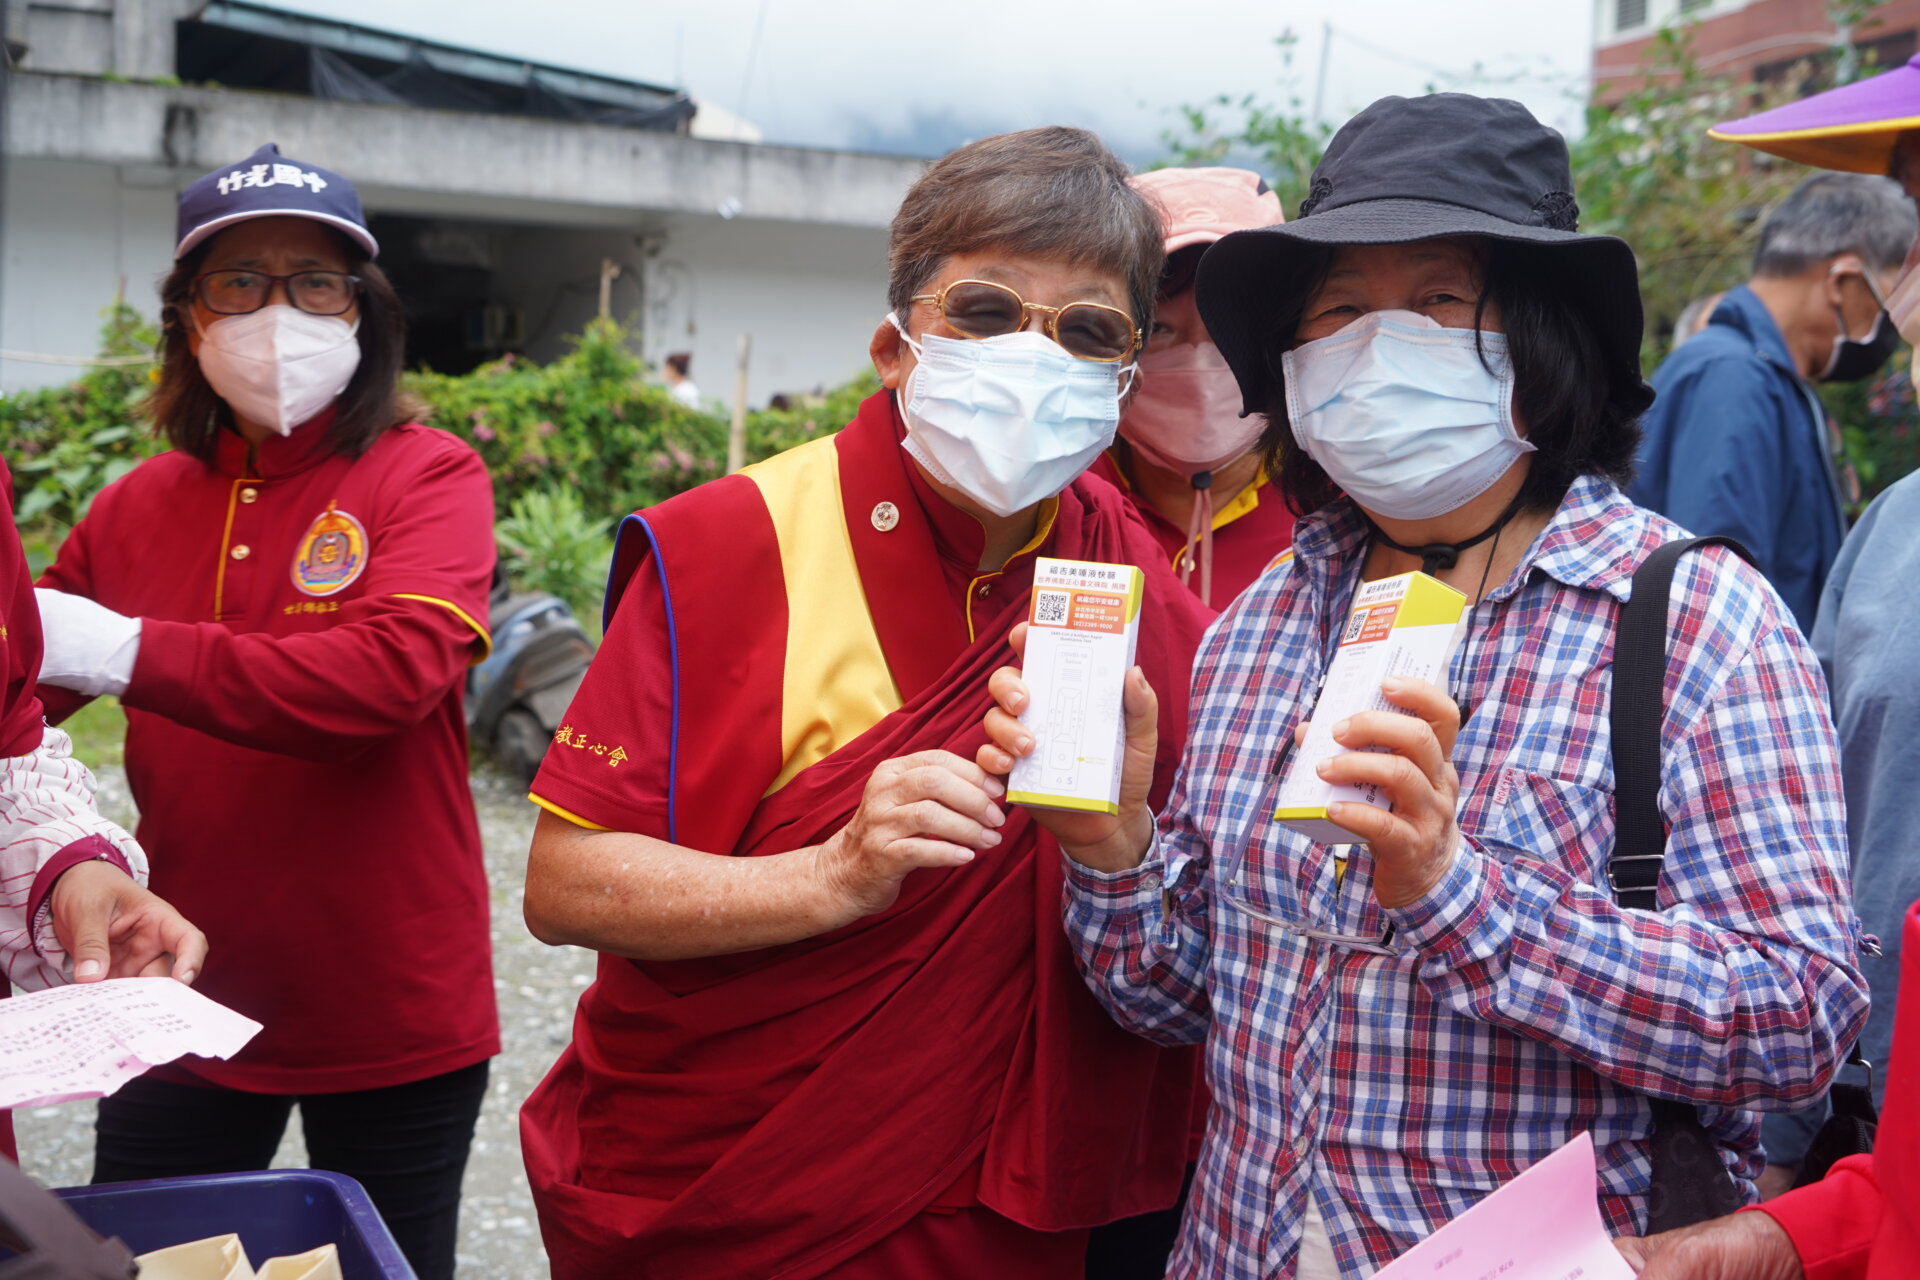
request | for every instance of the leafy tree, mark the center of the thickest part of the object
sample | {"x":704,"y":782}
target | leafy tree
{"x":1278,"y":137}
{"x":64,"y":444}
{"x":1646,"y":171}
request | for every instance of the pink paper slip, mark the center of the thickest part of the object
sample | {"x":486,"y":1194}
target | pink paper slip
{"x":1544,"y":1225}
{"x":86,"y":1041}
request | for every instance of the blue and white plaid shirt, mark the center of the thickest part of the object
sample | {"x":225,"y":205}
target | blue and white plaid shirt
{"x":1525,"y":1006}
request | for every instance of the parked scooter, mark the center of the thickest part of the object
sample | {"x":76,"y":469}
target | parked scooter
{"x":518,"y":697}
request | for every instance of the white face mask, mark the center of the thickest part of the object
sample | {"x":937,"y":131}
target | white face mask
{"x":1010,"y":420}
{"x":279,"y":366}
{"x":1186,"y":415}
{"x":1403,"y":414}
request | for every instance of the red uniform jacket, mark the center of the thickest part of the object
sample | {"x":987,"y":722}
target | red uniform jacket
{"x":1250,"y":532}
{"x":773,"y":1113}
{"x":296,"y":745}
{"x":1862,"y":1221}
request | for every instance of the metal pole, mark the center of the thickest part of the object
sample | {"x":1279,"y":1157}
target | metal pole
{"x":1320,"y":81}
{"x":737,"y":432}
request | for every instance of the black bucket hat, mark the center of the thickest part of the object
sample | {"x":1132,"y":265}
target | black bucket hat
{"x":1406,"y":169}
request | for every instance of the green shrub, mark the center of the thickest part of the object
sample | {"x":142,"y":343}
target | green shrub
{"x":573,"y":445}
{"x":586,"y":422}
{"x":590,"y":423}
{"x":549,"y":543}
{"x":772,"y":431}
{"x":65,"y":444}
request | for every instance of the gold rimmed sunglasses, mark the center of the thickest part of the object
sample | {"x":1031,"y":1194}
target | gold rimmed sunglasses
{"x":1085,"y":330}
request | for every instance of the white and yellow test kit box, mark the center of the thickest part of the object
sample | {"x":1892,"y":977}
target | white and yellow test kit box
{"x":1400,"y":626}
{"x":1086,"y":625}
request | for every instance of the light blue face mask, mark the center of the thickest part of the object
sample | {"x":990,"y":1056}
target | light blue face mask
{"x":1403,"y":414}
{"x":1009,"y":420}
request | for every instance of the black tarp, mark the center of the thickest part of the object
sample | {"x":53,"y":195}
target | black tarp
{"x":252,"y":60}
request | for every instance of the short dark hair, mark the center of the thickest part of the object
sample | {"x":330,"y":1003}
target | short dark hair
{"x":1052,"y":193}
{"x":679,"y":362}
{"x":1580,"y":418}
{"x":190,"y":413}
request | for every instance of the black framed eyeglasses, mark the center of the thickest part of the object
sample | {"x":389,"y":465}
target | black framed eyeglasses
{"x":236,"y":293}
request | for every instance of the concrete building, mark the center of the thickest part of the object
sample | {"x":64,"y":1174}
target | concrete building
{"x":497,"y":189}
{"x":1748,"y":41}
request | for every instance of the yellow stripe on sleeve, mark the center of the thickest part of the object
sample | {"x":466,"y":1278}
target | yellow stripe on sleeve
{"x":558,"y":812}
{"x":486,"y":641}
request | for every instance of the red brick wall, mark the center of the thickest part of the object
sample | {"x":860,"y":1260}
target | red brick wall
{"x":1762,"y":38}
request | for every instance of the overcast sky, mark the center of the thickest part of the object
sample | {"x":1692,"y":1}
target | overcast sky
{"x":919,"y":77}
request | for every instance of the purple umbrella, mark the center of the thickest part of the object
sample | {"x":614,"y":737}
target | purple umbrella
{"x":1851,"y":128}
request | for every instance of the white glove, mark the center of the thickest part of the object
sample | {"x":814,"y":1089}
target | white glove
{"x":89,"y":648}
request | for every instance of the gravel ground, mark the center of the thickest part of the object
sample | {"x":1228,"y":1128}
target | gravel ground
{"x":537,"y":987}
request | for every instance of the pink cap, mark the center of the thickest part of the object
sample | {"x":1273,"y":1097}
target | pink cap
{"x":1199,"y":206}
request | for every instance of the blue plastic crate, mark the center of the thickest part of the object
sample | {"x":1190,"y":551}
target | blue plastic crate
{"x":282,"y":1212}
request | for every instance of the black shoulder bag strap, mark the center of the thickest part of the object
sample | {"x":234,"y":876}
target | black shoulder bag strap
{"x":1690,"y":1184}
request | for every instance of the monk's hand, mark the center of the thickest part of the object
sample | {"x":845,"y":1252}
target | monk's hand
{"x":929,"y":809}
{"x":1409,"y":758}
{"x":1741,"y":1246}
{"x":112,"y":927}
{"x":1104,"y":842}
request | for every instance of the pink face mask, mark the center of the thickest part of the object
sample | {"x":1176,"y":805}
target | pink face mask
{"x":1186,"y":415}
{"x":1186,"y":419}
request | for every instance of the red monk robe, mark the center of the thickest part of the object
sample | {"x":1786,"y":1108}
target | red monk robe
{"x":904,"y":1096}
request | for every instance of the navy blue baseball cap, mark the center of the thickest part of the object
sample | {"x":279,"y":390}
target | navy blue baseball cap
{"x":268,"y":185}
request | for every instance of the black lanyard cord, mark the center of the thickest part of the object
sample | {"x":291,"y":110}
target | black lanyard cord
{"x":1436,"y":556}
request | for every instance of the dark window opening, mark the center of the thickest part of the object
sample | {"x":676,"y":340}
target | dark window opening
{"x":449,"y":296}
{"x":1813,"y":72}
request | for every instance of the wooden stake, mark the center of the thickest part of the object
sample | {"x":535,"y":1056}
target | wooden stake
{"x":609,"y":270}
{"x":737,"y":432}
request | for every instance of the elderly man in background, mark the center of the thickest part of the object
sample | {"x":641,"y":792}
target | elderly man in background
{"x":1737,"y":441}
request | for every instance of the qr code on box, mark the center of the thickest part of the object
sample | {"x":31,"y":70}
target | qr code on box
{"x":1355,"y":625}
{"x":1050,"y":607}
